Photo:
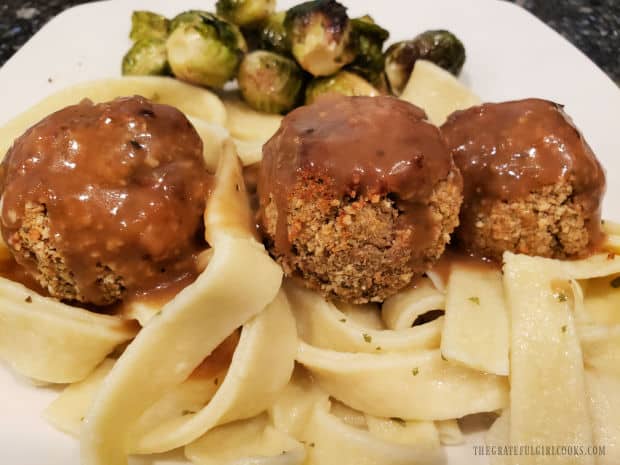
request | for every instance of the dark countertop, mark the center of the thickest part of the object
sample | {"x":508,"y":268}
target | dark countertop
{"x":592,"y":25}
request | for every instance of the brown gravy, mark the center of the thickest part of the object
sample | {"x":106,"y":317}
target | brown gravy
{"x":356,"y":146}
{"x":506,"y":151}
{"x":123,"y":185}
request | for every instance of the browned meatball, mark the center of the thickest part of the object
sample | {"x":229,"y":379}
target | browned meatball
{"x":532,"y":184}
{"x":357,"y":196}
{"x":99,"y":201}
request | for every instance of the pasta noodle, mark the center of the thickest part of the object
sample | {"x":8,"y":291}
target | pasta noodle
{"x":260,"y":368}
{"x":384,"y":383}
{"x":36,"y":331}
{"x":407,"y":433}
{"x":322,"y":324}
{"x":67,"y":411}
{"x":546,"y":363}
{"x":189,"y":327}
{"x":401,"y":310}
{"x":310,"y":381}
{"x":437,"y":91}
{"x":249,"y":125}
{"x":475,"y":331}
{"x":449,"y":432}
{"x":604,"y":394}
{"x":333,"y":441}
{"x":246,"y":442}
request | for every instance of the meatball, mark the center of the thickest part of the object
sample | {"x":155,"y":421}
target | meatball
{"x":102,"y":201}
{"x":357,"y":196}
{"x":532,"y":184}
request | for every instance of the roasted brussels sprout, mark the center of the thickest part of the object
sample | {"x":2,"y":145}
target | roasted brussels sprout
{"x":270,"y":82}
{"x":320,"y":35}
{"x":344,"y":83}
{"x":368,"y":39}
{"x":204,"y":49}
{"x":147,"y":57}
{"x":245,"y":12}
{"x":441,"y":47}
{"x":148,"y":25}
{"x":272,"y":35}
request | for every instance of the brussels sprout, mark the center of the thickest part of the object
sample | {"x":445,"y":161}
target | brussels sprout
{"x":245,"y":12}
{"x":344,"y":83}
{"x":272,"y":35}
{"x":441,"y":47}
{"x":369,"y":62}
{"x":270,"y":82}
{"x":320,"y":35}
{"x":147,"y":57}
{"x":148,"y":25}
{"x":204,"y":49}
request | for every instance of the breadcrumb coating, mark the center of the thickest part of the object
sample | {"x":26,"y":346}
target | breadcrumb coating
{"x":550,"y":222}
{"x":34,"y":243}
{"x":354,"y":249}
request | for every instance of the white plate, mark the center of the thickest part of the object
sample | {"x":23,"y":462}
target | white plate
{"x":510,"y":55}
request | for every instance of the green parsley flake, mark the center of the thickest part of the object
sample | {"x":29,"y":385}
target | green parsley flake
{"x":564,"y":328}
{"x":561,"y":297}
{"x":415,"y":371}
{"x":343,"y":320}
{"x":475,"y":300}
{"x":367,"y":337}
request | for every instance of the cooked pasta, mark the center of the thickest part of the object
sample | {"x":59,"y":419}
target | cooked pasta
{"x":303,"y":380}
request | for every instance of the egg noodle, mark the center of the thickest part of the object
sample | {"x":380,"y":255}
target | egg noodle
{"x":310,"y":381}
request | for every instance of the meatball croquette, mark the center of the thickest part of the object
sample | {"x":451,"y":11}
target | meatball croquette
{"x":103,"y":200}
{"x":357,"y":196}
{"x":532,"y":184}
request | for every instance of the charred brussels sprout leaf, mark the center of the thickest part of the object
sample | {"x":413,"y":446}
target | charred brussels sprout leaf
{"x":273,"y":35}
{"x":270,"y":82}
{"x":344,"y":83}
{"x":147,"y":57}
{"x":204,"y":49}
{"x":320,"y":36}
{"x":368,"y":39}
{"x":441,"y":47}
{"x":245,"y":12}
{"x":148,"y":25}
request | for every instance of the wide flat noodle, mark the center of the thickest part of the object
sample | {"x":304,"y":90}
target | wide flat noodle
{"x":437,"y":92}
{"x":246,"y":442}
{"x":498,"y":437}
{"x":213,"y":139}
{"x":332,"y":441}
{"x":402,"y":309}
{"x":421,"y":434}
{"x":604,"y":395}
{"x":601,"y":299}
{"x":419,"y":385}
{"x":449,"y":432}
{"x":322,"y":324}
{"x":475,"y":331}
{"x":68,"y":410}
{"x":247,"y":124}
{"x":548,"y":401}
{"x":49,"y":341}
{"x":191,"y":100}
{"x":189,"y":327}
{"x":292,"y":409}
{"x":601,"y":348}
{"x":261,"y":367}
